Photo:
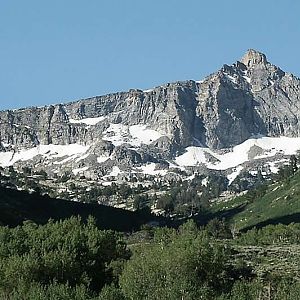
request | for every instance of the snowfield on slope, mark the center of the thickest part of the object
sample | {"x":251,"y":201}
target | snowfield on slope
{"x":135,"y":135}
{"x":240,"y":153}
{"x":48,"y":151}
{"x":234,"y":174}
{"x":87,"y":121}
{"x":149,"y":169}
{"x":79,"y":170}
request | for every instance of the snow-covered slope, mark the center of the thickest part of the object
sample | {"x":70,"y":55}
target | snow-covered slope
{"x":135,"y":135}
{"x":249,"y":151}
{"x":87,"y":121}
{"x":48,"y":152}
{"x":255,"y":148}
{"x":230,"y":160}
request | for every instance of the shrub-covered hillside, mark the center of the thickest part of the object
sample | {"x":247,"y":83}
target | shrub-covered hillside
{"x":273,"y":203}
{"x":72,"y":259}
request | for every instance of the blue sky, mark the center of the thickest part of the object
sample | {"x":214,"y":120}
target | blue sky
{"x":62,"y":50}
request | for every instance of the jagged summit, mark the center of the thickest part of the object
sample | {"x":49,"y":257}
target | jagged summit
{"x":253,"y":57}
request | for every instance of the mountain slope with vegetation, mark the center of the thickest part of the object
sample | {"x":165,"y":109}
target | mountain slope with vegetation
{"x":18,"y":206}
{"x":273,"y":203}
{"x":72,"y":259}
{"x":75,"y":259}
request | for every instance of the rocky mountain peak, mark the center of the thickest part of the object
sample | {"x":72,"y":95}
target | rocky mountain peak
{"x":253,"y":57}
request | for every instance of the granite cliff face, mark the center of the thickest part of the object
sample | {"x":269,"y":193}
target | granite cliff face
{"x":249,"y":98}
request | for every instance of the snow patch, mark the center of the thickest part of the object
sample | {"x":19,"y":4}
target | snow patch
{"x":47,"y":151}
{"x":118,"y":134}
{"x":175,"y":166}
{"x":80,"y":170}
{"x":190,"y":178}
{"x":194,"y":156}
{"x":271,"y":82}
{"x":135,"y":135}
{"x":234,"y":174}
{"x":142,"y":135}
{"x":149,"y":169}
{"x":253,"y":173}
{"x":204,"y":182}
{"x":106,"y":183}
{"x":231,"y":78}
{"x":273,"y":167}
{"x":82,"y":157}
{"x":87,"y":121}
{"x":148,"y":91}
{"x":247,"y":79}
{"x":102,"y":159}
{"x":115,"y":172}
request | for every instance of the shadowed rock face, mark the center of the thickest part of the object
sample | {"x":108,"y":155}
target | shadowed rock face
{"x":249,"y":97}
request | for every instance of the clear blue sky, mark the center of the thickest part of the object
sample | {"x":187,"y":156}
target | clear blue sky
{"x":60,"y":50}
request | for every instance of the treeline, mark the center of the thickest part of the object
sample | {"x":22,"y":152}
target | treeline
{"x":72,"y":259}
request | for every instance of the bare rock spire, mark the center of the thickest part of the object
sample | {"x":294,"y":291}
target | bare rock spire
{"x":253,"y":57}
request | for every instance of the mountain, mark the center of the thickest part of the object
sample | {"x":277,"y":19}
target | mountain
{"x":242,"y":117}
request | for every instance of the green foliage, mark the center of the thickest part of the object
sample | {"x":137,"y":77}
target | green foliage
{"x":183,"y":264}
{"x":284,"y":173}
{"x":53,"y":291}
{"x":216,"y":184}
{"x":111,"y":292}
{"x":66,"y":252}
{"x":75,"y":260}
{"x":271,"y":234}
{"x":218,"y":229}
{"x":267,"y":204}
{"x":293,"y":163}
{"x":256,"y":194}
{"x":254,"y":290}
{"x":165,"y":202}
{"x":246,"y":181}
{"x":140,"y":201}
{"x":182,"y":200}
{"x":243,"y":290}
{"x":125,"y":191}
{"x":287,"y":170}
{"x":287,"y":290}
{"x":26,"y":171}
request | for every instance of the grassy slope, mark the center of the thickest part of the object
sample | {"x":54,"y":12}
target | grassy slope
{"x":17,"y":206}
{"x":280,"y":204}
